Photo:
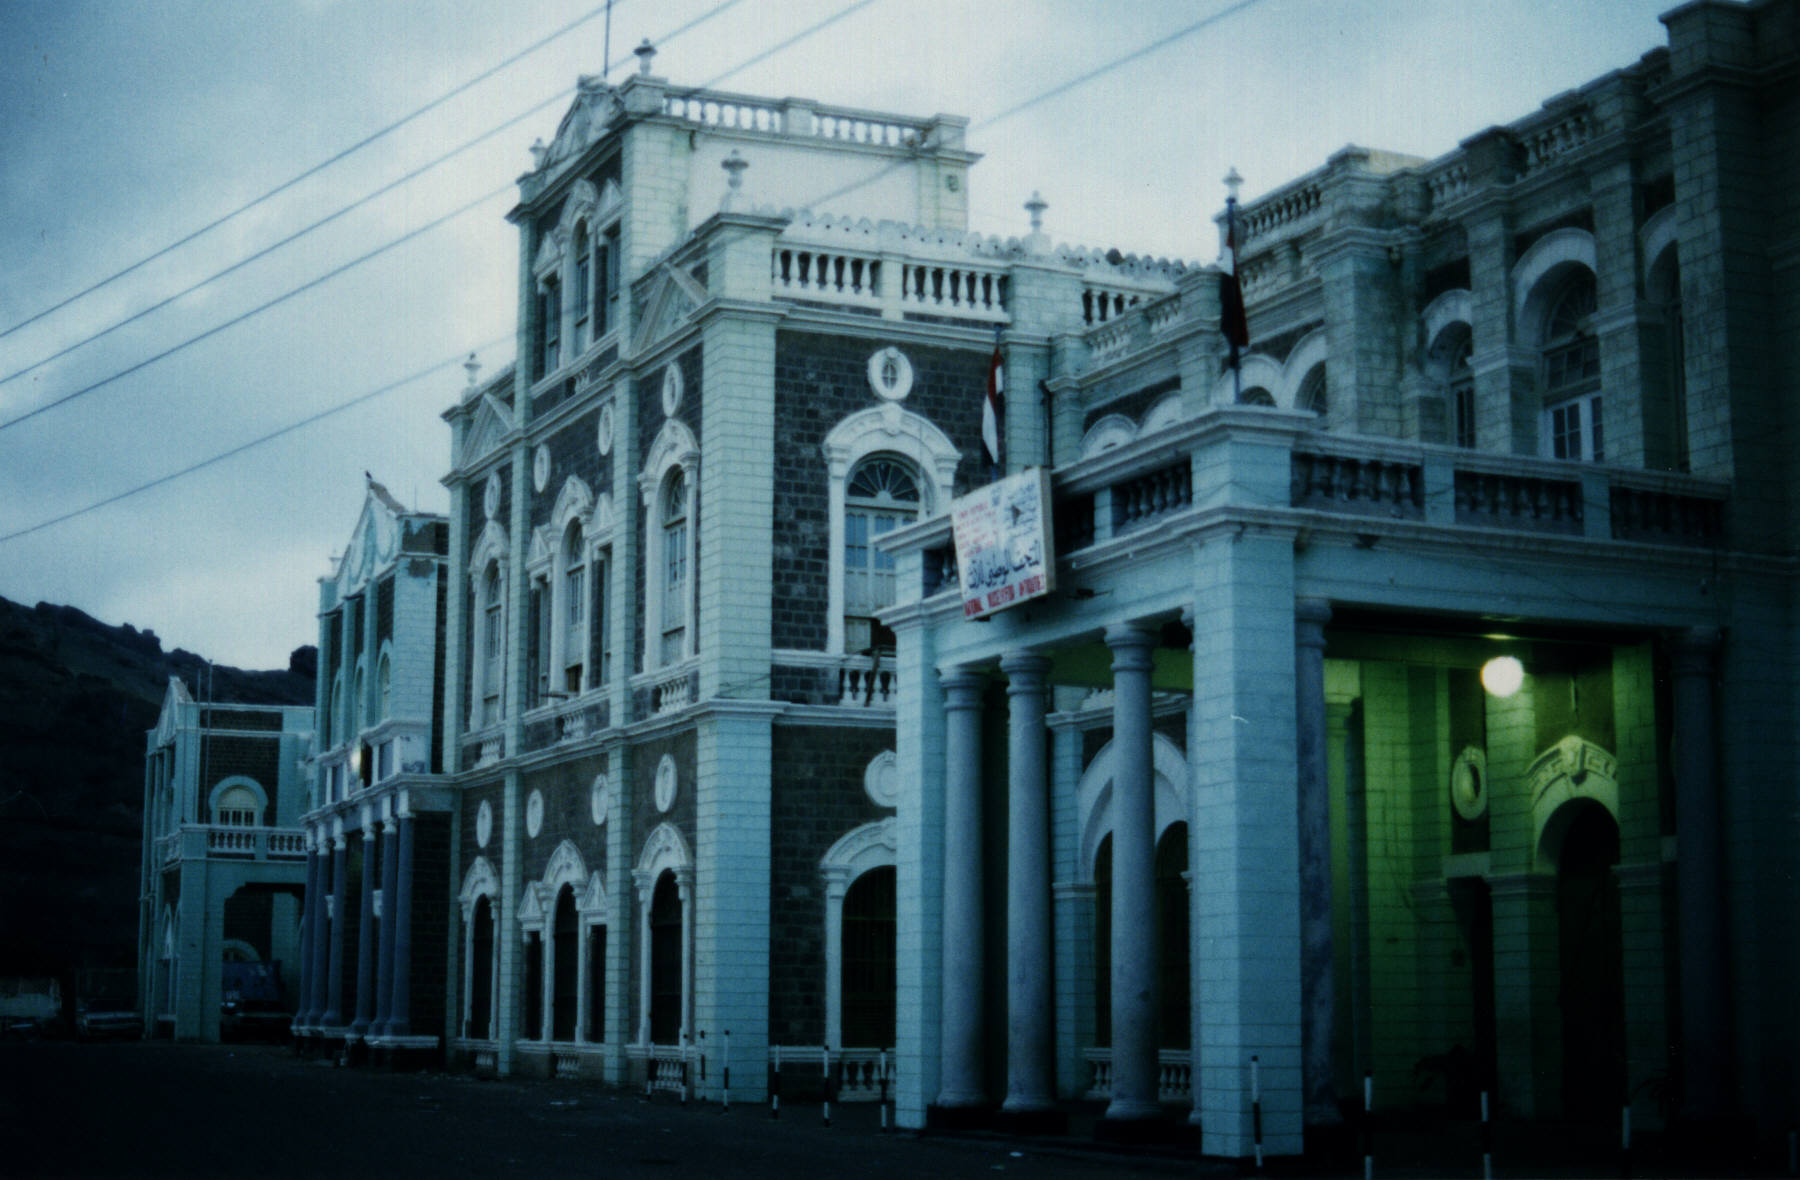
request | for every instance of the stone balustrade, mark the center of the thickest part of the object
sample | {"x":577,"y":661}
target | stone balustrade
{"x":861,"y":685}
{"x":962,"y":291}
{"x":826,"y":276}
{"x":1174,"y":1075}
{"x":794,"y":119}
{"x":1357,"y":485}
{"x":1546,"y":143}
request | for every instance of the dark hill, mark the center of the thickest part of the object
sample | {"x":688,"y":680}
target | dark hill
{"x":76,"y":697}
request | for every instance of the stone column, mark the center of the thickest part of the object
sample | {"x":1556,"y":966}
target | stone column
{"x":309,"y":939}
{"x":1705,"y":1025}
{"x":583,"y":986}
{"x":390,"y":879}
{"x":333,"y":1016}
{"x":397,"y":912}
{"x":962,"y":979}
{"x":1030,"y":1085}
{"x":1317,"y":990}
{"x":365,"y":935}
{"x":684,"y":889}
{"x":547,"y":973}
{"x":1134,"y":967}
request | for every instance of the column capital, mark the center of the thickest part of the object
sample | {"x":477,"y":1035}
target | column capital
{"x":1310,"y":617}
{"x":1693,"y":650}
{"x":1025,"y":671}
{"x":962,"y":687}
{"x":1131,"y":645}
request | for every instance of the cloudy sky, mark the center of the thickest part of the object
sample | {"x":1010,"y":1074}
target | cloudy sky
{"x":126,"y":127}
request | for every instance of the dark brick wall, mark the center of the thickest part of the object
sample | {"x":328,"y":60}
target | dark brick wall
{"x":493,"y":793}
{"x":574,"y":451}
{"x":477,"y":490}
{"x":819,"y":381}
{"x":432,"y":907}
{"x":257,"y":758}
{"x":816,"y":797}
{"x":567,"y":815}
{"x":803,"y":686}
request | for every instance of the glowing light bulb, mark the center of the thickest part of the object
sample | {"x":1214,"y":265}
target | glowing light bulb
{"x":1502,"y":676}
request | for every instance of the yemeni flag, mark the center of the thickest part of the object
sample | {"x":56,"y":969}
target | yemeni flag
{"x":993,"y":409}
{"x":1232,"y":322}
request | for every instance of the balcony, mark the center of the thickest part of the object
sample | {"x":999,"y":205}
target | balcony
{"x":224,"y":842}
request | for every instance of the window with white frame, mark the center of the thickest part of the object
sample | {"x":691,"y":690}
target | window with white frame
{"x":881,"y":494}
{"x":1572,"y":426}
{"x":601,"y":624}
{"x":674,"y":571}
{"x":549,"y":326}
{"x":492,"y":645}
{"x":237,"y":807}
{"x":573,"y":609}
{"x":384,"y":687}
{"x":334,"y":715}
{"x":1462,"y":392}
{"x":583,"y":289}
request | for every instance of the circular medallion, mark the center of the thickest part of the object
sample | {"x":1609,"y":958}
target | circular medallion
{"x":599,"y":798}
{"x":484,"y":824}
{"x":534,"y":813}
{"x":665,"y":783}
{"x":890,"y":374}
{"x":490,"y":496}
{"x":540,"y":468}
{"x":603,"y":432}
{"x":671,"y":389}
{"x":1468,"y":783}
{"x":881,"y":780}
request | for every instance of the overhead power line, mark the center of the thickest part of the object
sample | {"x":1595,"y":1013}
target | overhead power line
{"x":1060,"y":88}
{"x":289,"y":183}
{"x":191,"y":468}
{"x":365,"y":199}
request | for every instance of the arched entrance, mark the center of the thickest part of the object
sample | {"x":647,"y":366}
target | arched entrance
{"x":665,"y":961}
{"x":868,"y":967}
{"x":566,"y":980}
{"x":481,"y":976}
{"x":1592,"y":977}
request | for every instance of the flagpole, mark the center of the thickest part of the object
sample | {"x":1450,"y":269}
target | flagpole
{"x":1232,"y":182}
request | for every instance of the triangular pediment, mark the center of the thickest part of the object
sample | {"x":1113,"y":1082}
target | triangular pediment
{"x":491,"y":425}
{"x":673,"y":297}
{"x":594,"y":110}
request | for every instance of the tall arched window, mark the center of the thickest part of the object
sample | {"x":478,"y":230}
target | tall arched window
{"x":1665,"y":291}
{"x":881,"y":494}
{"x":584,"y":278}
{"x":1573,"y":428}
{"x":334,"y":712}
{"x":359,"y":701}
{"x":384,"y":687}
{"x":574,"y":608}
{"x":1462,"y":391}
{"x":674,"y":504}
{"x":492,"y":645}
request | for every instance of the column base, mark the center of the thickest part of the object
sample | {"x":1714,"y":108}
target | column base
{"x":1042,"y":1121}
{"x":1157,"y":1131}
{"x":959,"y":1118}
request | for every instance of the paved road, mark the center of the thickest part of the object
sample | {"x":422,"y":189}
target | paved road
{"x":155,"y":1109}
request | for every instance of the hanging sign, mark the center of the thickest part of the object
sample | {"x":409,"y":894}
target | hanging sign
{"x":1005,"y":551}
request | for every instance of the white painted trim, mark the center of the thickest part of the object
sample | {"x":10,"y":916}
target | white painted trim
{"x":1094,"y":797}
{"x":885,"y":428}
{"x":1109,"y":431}
{"x":664,"y":850}
{"x":1258,"y":370}
{"x":1167,"y":411}
{"x":237,"y":780}
{"x":1537,"y":273}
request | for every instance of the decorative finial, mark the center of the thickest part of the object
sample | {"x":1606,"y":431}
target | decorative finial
{"x":734,"y":166}
{"x":538,"y":152}
{"x":1036,"y":207}
{"x":471,"y":367}
{"x":1233,"y":182}
{"x":646,"y":52}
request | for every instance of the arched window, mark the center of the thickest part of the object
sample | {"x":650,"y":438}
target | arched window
{"x":1312,"y":393}
{"x":674,"y":505}
{"x":237,"y":807}
{"x":1573,"y":428}
{"x":550,"y":326}
{"x":333,"y":713}
{"x":492,"y":645}
{"x":881,"y":494}
{"x":359,"y":701}
{"x":1256,"y":395}
{"x":1462,"y":391}
{"x":1665,"y":292}
{"x":584,"y":278}
{"x":573,"y":608}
